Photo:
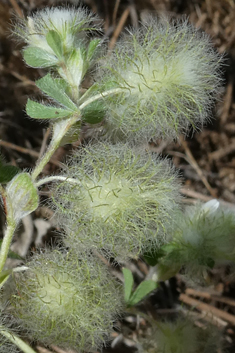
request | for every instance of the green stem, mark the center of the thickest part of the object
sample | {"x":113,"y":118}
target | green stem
{"x":60,"y":129}
{"x":17,"y":341}
{"x":56,"y":177}
{"x":101,"y":95}
{"x":9,"y":233}
{"x":6,"y":243}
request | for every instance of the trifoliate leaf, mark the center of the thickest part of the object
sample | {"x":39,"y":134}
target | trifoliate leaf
{"x":54,"y":41}
{"x":128,"y":283}
{"x":56,"y":90}
{"x":37,"y":57}
{"x":40,"y":111}
{"x":141,"y":291}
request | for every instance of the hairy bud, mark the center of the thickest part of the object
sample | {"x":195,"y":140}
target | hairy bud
{"x":181,"y":336}
{"x":167,"y":75}
{"x":123,"y":201}
{"x":67,"y":300}
{"x":204,"y":237}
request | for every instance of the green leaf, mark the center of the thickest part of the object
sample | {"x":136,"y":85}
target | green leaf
{"x":128,"y":283}
{"x":54,"y":41}
{"x":93,"y":113}
{"x":56,"y":90}
{"x":166,"y":271}
{"x":22,"y":196}
{"x":37,"y":57}
{"x":92,"y":48}
{"x":62,"y":84}
{"x":141,"y":291}
{"x":7,"y":172}
{"x":40,"y":111}
{"x":152,"y":257}
{"x":75,"y":67}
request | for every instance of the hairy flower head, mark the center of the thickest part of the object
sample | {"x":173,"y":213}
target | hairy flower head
{"x":167,"y":75}
{"x":123,"y":200}
{"x":204,"y":237}
{"x":181,"y":336}
{"x":67,"y":300}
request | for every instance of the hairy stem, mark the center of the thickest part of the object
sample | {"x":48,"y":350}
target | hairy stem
{"x":100,"y":96}
{"x":56,"y":177}
{"x":6,"y":243}
{"x":16,"y":340}
{"x":60,"y":130}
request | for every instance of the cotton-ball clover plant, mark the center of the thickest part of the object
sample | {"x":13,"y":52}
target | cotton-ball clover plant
{"x":110,"y":198}
{"x":116,"y":199}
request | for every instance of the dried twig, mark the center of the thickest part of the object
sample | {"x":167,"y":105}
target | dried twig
{"x":206,"y":295}
{"x":209,"y":309}
{"x":26,"y":151}
{"x":17,"y":8}
{"x":119,"y":28}
{"x":196,"y":167}
{"x":222,"y":152}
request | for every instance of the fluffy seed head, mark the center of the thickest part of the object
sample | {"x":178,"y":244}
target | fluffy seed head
{"x":169,"y":76}
{"x":205,"y":236}
{"x":181,"y":336}
{"x":67,"y":300}
{"x":123,"y":202}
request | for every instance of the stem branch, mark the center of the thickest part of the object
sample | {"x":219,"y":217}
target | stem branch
{"x":56,"y":177}
{"x":100,"y":95}
{"x":17,"y":341}
{"x":60,"y":130}
{"x":6,"y":243}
